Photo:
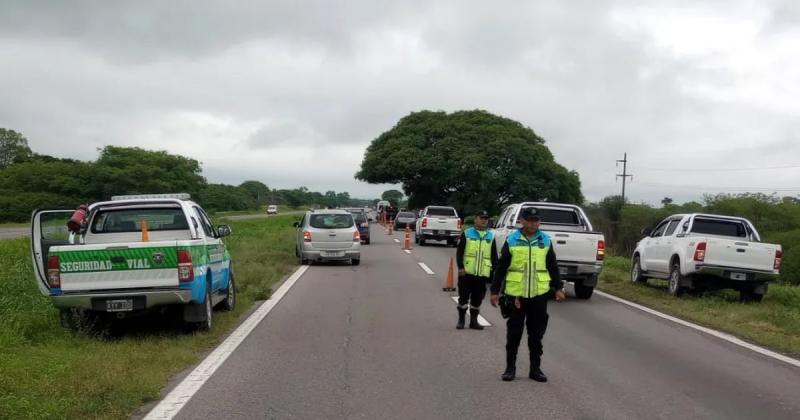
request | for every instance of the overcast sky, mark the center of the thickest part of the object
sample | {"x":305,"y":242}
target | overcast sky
{"x":291,"y":93}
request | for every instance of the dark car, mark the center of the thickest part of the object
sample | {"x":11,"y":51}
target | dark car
{"x":363,"y":226}
{"x":405,"y":218}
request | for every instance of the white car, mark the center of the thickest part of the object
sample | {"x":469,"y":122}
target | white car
{"x":579,"y":250}
{"x":328,"y":235}
{"x":707,"y":252}
{"x":272,"y":209}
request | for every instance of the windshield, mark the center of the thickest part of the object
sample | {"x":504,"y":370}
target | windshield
{"x":360,"y":218}
{"x":405,"y":215}
{"x":557,"y":217}
{"x":331,"y":221}
{"x":441,"y":211}
{"x":719,"y":227}
{"x":130,"y":220}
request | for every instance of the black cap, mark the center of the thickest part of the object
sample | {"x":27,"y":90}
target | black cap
{"x":482,"y":213}
{"x":529,"y":213}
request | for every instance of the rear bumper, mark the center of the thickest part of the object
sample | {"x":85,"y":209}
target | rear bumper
{"x":726,"y":273}
{"x":316,"y":254}
{"x":443,"y":236}
{"x":573,"y":269}
{"x":151,"y":298}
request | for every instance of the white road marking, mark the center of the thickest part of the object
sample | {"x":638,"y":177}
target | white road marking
{"x":721,"y":335}
{"x":481,"y":319}
{"x":407,"y":251}
{"x":425,"y":268}
{"x":397,"y":240}
{"x":181,"y":394}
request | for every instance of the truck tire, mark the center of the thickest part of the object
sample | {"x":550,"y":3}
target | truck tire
{"x":300,"y":259}
{"x":355,"y":261}
{"x":636,"y":271}
{"x":675,"y":279}
{"x":583,"y":292}
{"x":230,"y":298}
{"x":748,"y":294}
{"x":207,"y":323}
{"x":452,"y":243}
{"x":421,"y":241}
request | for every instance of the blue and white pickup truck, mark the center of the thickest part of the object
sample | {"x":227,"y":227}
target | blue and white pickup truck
{"x":134,"y":254}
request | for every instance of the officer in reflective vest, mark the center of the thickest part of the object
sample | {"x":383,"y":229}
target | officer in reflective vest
{"x":475,"y":257}
{"x":527,"y":275}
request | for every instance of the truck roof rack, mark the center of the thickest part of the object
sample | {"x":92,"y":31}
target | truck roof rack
{"x":179,"y":196}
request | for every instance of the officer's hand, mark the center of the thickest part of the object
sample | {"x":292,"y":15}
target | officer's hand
{"x":462,"y":272}
{"x":495,"y":300}
{"x":560,"y":296}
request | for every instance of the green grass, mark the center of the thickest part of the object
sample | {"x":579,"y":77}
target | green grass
{"x":774,"y":322}
{"x":48,"y":372}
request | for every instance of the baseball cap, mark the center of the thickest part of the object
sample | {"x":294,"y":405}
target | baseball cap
{"x":482,"y":213}
{"x":529,"y":213}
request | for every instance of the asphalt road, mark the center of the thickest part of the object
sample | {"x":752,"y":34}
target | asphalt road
{"x":378,"y":341}
{"x":11,"y":233}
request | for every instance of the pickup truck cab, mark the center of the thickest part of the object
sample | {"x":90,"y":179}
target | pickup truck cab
{"x":579,"y":250}
{"x":707,"y":252}
{"x":134,"y":254}
{"x":439,"y":223}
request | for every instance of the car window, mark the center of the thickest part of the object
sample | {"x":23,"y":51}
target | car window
{"x":441,"y":211}
{"x":205,"y":223}
{"x":719,"y":227}
{"x":659,"y":230}
{"x":671,"y":228}
{"x":405,"y":214}
{"x":558,"y":217}
{"x":360,"y":218}
{"x":130,"y":220}
{"x":331,"y":221}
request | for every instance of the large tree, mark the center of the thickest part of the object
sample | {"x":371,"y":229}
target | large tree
{"x":13,"y":148}
{"x":470,"y":159}
{"x":392,"y":196}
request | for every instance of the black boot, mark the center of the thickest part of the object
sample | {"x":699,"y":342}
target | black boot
{"x":462,"y":312}
{"x":511,"y":368}
{"x":536,"y":372}
{"x":473,"y":319}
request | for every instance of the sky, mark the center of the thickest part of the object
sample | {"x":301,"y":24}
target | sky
{"x":701,"y":95}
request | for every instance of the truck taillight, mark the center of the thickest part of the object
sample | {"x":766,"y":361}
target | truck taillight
{"x":306,"y":236}
{"x":458,"y":223}
{"x":356,"y":237}
{"x":53,"y":272}
{"x":778,"y":259}
{"x":700,"y":252}
{"x":601,"y":250}
{"x":424,"y":222}
{"x":185,"y":267}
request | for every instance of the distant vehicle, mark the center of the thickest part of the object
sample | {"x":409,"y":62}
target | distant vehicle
{"x":134,"y":254}
{"x":438,"y":223}
{"x":707,"y":252}
{"x":579,"y":250}
{"x":272,"y":209}
{"x":362,"y":223}
{"x":405,"y":218}
{"x":354,"y":210}
{"x":381,"y":205}
{"x":328,"y":235}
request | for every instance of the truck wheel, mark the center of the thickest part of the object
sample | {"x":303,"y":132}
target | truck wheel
{"x":421,"y":241}
{"x":416,"y":239}
{"x":366,"y":242}
{"x":230,"y":298}
{"x":69,"y":318}
{"x":451,"y":242}
{"x":748,"y":294}
{"x":206,"y":324}
{"x":355,"y":261}
{"x":300,"y":259}
{"x":583,"y":292}
{"x":675,"y":278}
{"x":636,"y":271}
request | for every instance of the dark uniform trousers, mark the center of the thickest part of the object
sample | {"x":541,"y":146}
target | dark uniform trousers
{"x":533,"y":314}
{"x":472,"y":290}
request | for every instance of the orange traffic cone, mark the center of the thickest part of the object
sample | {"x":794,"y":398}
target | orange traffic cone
{"x":449,"y":286}
{"x":407,"y":239}
{"x":145,"y":234}
{"x":391,"y":225}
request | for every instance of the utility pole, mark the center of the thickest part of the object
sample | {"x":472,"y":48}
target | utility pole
{"x":624,"y":175}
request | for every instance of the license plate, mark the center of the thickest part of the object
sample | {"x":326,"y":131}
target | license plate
{"x":333,"y":254}
{"x":119,"y":305}
{"x":563,"y":270}
{"x":440,"y":232}
{"x":738,"y":276}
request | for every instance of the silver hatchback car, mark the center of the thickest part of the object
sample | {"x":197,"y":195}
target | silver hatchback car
{"x":328,"y":235}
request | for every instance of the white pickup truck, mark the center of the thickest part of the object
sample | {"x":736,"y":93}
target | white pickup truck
{"x":579,"y":250}
{"x":132,"y":255}
{"x":438,"y":223}
{"x":707,"y":252}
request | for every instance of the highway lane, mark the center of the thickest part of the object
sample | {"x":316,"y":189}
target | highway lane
{"x":378,"y":341}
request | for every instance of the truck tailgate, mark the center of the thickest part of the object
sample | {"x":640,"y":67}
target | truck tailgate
{"x":442,"y":223}
{"x":108,"y":267}
{"x":740,"y":254}
{"x":575,"y":246}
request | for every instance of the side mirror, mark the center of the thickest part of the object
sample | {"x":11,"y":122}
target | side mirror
{"x":296,"y":224}
{"x":224,"y":230}
{"x":647,"y":231}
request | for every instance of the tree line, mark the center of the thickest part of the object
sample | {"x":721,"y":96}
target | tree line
{"x":29,"y":180}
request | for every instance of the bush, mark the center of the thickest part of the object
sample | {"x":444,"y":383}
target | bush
{"x":790,"y":268}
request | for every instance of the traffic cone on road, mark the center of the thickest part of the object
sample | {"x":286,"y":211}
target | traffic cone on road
{"x":391,"y":225}
{"x":407,"y":239}
{"x":448,"y":287}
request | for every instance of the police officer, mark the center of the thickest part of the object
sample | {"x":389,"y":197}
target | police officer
{"x":475,"y":257}
{"x":527,"y":275}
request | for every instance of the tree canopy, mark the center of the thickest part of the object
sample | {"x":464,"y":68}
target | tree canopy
{"x":469,"y":159}
{"x":392,"y":196}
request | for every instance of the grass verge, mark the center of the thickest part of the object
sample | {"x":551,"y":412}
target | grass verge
{"x":48,"y":372}
{"x":774,"y":322}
